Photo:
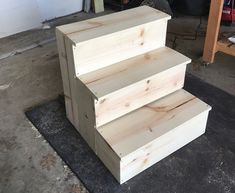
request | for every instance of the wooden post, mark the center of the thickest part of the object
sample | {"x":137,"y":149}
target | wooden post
{"x":210,"y":46}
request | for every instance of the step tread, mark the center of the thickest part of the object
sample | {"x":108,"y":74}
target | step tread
{"x":140,"y":127}
{"x":120,"y":75}
{"x":111,"y":23}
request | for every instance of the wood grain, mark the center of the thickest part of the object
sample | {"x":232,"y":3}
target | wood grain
{"x":116,"y":47}
{"x":86,"y":114}
{"x":128,"y":85}
{"x":65,"y":74}
{"x":123,"y":91}
{"x":114,"y":77}
{"x":112,"y":23}
{"x":72,"y":80}
{"x":135,"y":96}
{"x":156,"y":127}
{"x":226,"y":47}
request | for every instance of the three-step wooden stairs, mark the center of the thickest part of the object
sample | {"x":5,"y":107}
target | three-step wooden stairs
{"x":123,"y":89}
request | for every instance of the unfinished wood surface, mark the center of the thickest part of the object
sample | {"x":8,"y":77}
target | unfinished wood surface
{"x":72,"y":79}
{"x":128,"y":85}
{"x":112,"y":38}
{"x":112,"y":23}
{"x":86,"y":114}
{"x":113,"y":68}
{"x":112,"y":78}
{"x":98,"y":6}
{"x":213,"y":26}
{"x":164,"y":146}
{"x":119,"y":46}
{"x":110,"y":159}
{"x":154,"y":131}
{"x":65,"y":74}
{"x":226,"y":47}
{"x":135,"y":96}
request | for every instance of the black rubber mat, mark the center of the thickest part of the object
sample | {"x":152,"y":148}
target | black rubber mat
{"x":205,"y":165}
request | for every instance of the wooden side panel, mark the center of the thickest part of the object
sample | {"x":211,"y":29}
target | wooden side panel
{"x":103,"y":51}
{"x":139,"y":94}
{"x":65,"y":74}
{"x":86,"y":114}
{"x":107,"y":156}
{"x":164,"y":146}
{"x":72,"y":80}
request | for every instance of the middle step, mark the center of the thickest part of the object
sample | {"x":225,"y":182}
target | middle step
{"x":128,"y":85}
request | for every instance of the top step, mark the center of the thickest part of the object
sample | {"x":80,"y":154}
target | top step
{"x":107,"y":24}
{"x":103,"y":41}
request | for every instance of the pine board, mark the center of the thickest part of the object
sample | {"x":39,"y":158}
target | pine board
{"x":157,"y":127}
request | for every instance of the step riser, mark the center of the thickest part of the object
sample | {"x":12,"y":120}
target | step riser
{"x":152,"y":152}
{"x":109,"y":49}
{"x":135,"y":96}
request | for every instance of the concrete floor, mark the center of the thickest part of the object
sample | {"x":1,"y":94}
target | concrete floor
{"x":31,"y":77}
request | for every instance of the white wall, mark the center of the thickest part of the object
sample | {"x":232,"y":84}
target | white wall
{"x":18,"y":15}
{"x":21,"y":15}
{"x":50,"y":9}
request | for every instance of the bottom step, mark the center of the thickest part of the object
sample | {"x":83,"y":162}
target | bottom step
{"x":136,"y":141}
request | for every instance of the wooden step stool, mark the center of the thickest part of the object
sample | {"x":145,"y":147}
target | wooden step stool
{"x":123,"y":89}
